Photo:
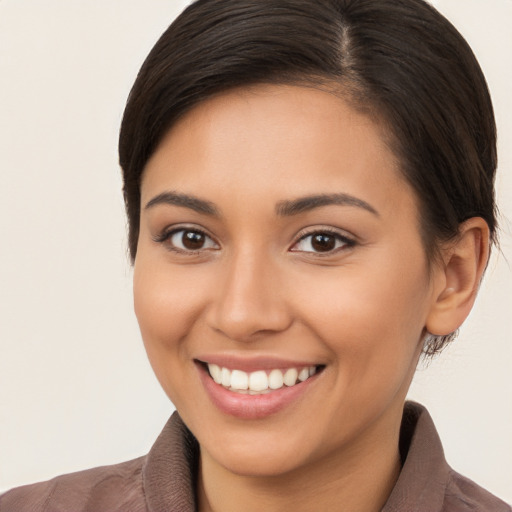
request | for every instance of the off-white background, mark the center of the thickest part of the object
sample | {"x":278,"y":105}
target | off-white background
{"x":75,"y":388}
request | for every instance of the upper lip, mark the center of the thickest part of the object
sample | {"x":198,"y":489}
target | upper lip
{"x":254,"y":363}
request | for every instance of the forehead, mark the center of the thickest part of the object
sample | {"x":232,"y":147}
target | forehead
{"x":274,"y":140}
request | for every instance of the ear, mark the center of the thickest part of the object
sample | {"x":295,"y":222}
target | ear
{"x":458,"y":277}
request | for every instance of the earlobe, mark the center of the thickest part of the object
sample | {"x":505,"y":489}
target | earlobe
{"x":464,"y":262}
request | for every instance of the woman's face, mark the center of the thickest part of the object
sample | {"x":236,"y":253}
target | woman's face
{"x":278,"y":236}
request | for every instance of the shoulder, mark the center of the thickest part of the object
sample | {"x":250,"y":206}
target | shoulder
{"x":116,"y":487}
{"x":462,"y":494}
{"x":161,"y":480}
{"x":427,"y":483}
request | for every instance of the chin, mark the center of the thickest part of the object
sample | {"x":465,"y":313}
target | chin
{"x":255,"y":461}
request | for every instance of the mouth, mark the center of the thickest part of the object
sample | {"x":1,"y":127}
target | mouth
{"x":256,"y":388}
{"x":260,"y":382}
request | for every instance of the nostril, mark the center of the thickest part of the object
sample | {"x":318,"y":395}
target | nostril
{"x":248,"y":323}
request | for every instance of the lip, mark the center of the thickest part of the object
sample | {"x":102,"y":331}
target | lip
{"x":252,"y":407}
{"x":254,"y":364}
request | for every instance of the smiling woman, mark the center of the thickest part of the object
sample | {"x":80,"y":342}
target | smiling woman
{"x":284,"y":282}
{"x":310,"y":194}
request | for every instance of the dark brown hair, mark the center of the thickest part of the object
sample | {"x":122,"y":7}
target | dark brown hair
{"x":398,"y":59}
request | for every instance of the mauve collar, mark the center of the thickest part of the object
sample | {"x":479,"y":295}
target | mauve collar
{"x":425,"y":474}
{"x":170,"y":470}
{"x":169,"y":473}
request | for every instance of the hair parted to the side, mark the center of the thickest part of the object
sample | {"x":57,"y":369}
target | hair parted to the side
{"x":399,"y":60}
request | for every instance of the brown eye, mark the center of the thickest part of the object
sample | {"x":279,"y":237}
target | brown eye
{"x":322,"y":242}
{"x":192,"y":240}
{"x":189,"y":240}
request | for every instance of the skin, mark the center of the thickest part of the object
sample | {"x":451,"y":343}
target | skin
{"x":258,"y":287}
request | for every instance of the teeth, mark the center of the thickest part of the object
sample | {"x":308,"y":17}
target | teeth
{"x":225,"y":377}
{"x":216,"y":373}
{"x":239,"y":380}
{"x":275,"y":379}
{"x":303,"y":374}
{"x":290,"y":377}
{"x":259,"y":382}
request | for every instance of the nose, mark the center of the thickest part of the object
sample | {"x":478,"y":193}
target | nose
{"x":250,"y":300}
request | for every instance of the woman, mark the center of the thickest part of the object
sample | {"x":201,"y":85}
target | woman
{"x":309,"y":188}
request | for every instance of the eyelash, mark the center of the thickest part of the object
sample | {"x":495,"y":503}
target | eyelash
{"x":166,"y":236}
{"x":345,"y":240}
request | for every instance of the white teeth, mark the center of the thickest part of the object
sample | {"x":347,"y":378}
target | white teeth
{"x":263,"y":392}
{"x":215,"y":372}
{"x":290,"y":377}
{"x":259,"y":382}
{"x":225,"y":377}
{"x":303,"y":374}
{"x":239,"y":380}
{"x":275,"y":379}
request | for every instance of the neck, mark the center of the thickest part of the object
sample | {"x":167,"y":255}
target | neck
{"x":359,"y":479}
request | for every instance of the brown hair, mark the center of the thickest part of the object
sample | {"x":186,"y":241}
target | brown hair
{"x":399,"y":59}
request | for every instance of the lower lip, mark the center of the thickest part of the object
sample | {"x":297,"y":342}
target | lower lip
{"x":250,"y":407}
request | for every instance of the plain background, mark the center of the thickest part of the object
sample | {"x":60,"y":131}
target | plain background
{"x":76,"y":390}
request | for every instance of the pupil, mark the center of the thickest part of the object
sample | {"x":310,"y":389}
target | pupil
{"x":323,"y":243}
{"x":193,"y":240}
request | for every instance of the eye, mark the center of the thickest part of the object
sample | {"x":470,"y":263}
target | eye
{"x":187,"y":240}
{"x":322,"y":242}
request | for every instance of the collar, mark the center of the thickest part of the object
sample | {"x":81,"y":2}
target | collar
{"x":170,"y":469}
{"x":421,"y":485}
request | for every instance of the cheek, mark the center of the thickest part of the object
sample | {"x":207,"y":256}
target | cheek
{"x":372,"y":321}
{"x":166,"y":297}
{"x":167,"y":303}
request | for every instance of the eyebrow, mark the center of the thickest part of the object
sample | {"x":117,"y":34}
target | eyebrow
{"x":185,"y":201}
{"x":283,"y":208}
{"x":307,"y":203}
